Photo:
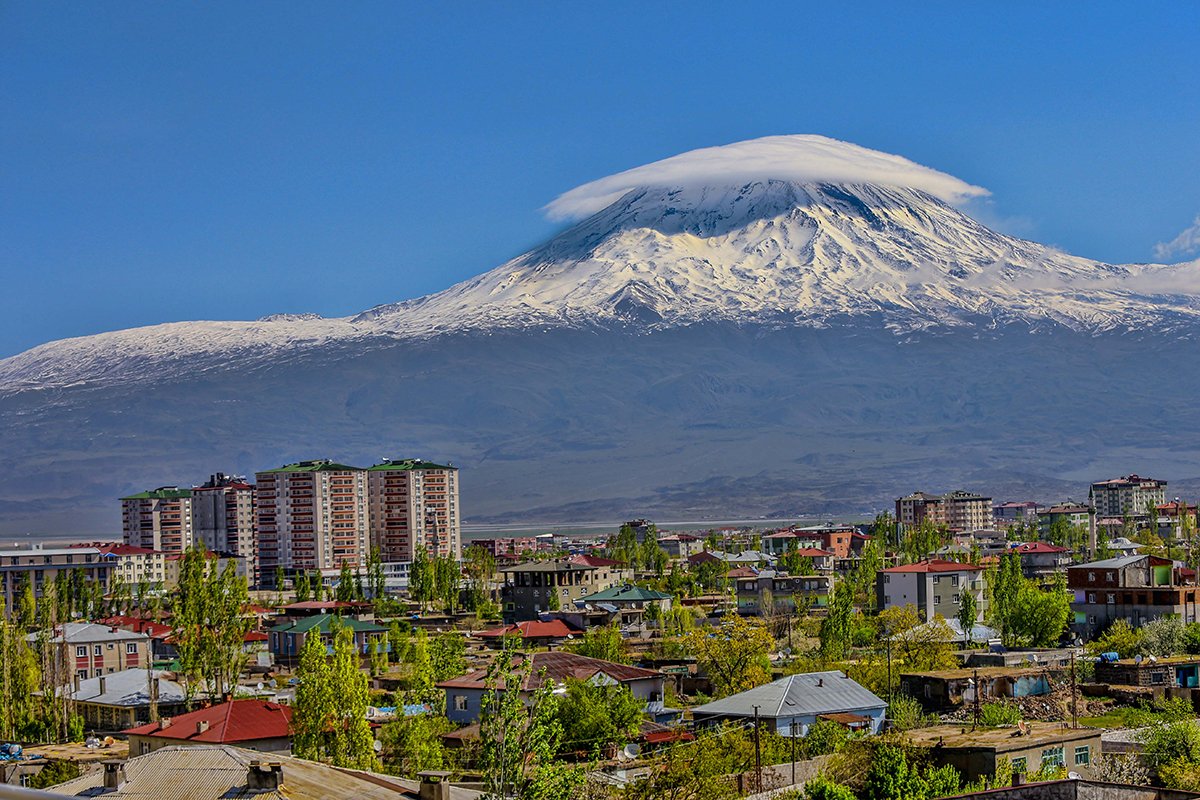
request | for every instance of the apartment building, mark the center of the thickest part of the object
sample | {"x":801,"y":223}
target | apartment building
{"x":528,"y":587}
{"x":935,"y":587}
{"x":42,"y":566}
{"x":768,"y":592}
{"x":311,"y":515}
{"x":958,"y":510}
{"x":159,"y":519}
{"x":130,"y":565}
{"x":1135,"y":588}
{"x":1075,"y":514}
{"x":1041,"y":561}
{"x":91,"y":650}
{"x":413,"y":506}
{"x":1014,"y":513}
{"x":1131,"y":494}
{"x":223,"y":516}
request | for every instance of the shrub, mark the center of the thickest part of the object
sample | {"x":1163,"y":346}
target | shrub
{"x":993,"y":715}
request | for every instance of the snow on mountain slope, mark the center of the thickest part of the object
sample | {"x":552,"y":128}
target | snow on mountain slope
{"x":795,"y":230}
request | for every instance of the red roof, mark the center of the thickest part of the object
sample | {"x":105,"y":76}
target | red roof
{"x":934,"y":565}
{"x":116,"y":548}
{"x":227,"y":723}
{"x":741,"y":572}
{"x":700,"y":558}
{"x":558,"y":666}
{"x":155,"y":630}
{"x":534,"y":629}
{"x":812,"y":552}
{"x":1040,"y":547}
{"x":255,"y":636}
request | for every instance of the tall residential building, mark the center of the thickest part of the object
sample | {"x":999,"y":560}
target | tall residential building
{"x":311,"y":515}
{"x":1131,"y":494}
{"x":160,"y":519}
{"x":223,"y":516}
{"x":958,"y":511}
{"x":414,"y":506}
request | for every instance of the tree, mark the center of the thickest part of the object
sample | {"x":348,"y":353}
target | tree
{"x":1025,"y":614}
{"x":447,"y":580}
{"x":422,"y":583}
{"x":479,"y":565}
{"x":302,"y":588}
{"x":604,"y":642}
{"x":329,"y":722}
{"x":412,"y":745}
{"x":345,"y":587}
{"x":26,"y":604}
{"x":521,"y":739}
{"x":821,"y":788}
{"x":967,"y":612}
{"x":280,"y":580}
{"x":210,"y":627}
{"x":1119,"y":638}
{"x":447,"y":656}
{"x":597,"y":716}
{"x":691,"y":771}
{"x":836,"y":627}
{"x":379,"y":655}
{"x":917,"y":646}
{"x":376,"y":581}
{"x":734,"y":656}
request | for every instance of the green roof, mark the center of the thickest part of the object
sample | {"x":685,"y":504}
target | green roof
{"x":164,"y":493}
{"x":323,"y":465}
{"x":322,"y":623}
{"x":625,"y":593}
{"x":407,"y":465}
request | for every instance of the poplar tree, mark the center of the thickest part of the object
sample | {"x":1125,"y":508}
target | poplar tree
{"x":329,"y":722}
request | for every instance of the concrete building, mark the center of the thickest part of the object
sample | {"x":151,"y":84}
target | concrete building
{"x":528,"y":587}
{"x":287,"y":638}
{"x":252,"y":724}
{"x":946,"y":690}
{"x":311,"y":515}
{"x":89,"y":650}
{"x":1041,"y":561}
{"x":958,"y":510}
{"x":935,"y":587}
{"x":464,"y":695}
{"x":769,"y":592}
{"x":1012,"y":513}
{"x":414,"y":506}
{"x":159,"y":519}
{"x":977,"y":753}
{"x":1135,"y":588}
{"x":1129,"y":495}
{"x":792,"y":704}
{"x":1075,"y":514}
{"x":120,"y":700}
{"x":42,"y":566}
{"x":223,"y":517}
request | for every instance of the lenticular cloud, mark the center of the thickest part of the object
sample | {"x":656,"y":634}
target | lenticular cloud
{"x":802,"y":158}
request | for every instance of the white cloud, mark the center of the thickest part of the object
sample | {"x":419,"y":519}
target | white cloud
{"x":803,"y":158}
{"x":1185,"y":244}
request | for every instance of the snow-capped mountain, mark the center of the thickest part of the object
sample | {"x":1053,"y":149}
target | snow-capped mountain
{"x":688,"y":302}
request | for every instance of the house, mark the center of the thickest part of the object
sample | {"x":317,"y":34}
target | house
{"x":1135,"y":588}
{"x":1172,"y":672}
{"x":218,"y":772}
{"x":608,"y":571}
{"x":464,"y":695}
{"x":40,"y":567}
{"x":113,"y":702}
{"x":934,"y":586}
{"x":680,"y":545}
{"x":836,"y":539}
{"x":979,"y":753}
{"x":157,"y":632}
{"x":533,"y":633}
{"x":528,"y":587}
{"x":287,"y":638}
{"x":1075,"y":514}
{"x":90,"y":649}
{"x":1041,"y":561}
{"x":946,"y":690}
{"x":792,"y":704}
{"x":767,"y":592}
{"x":627,"y":602}
{"x":252,"y":724}
{"x":1078,"y":789}
{"x":1173,"y":517}
{"x":1011,"y":513}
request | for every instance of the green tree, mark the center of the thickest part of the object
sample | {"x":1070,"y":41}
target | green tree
{"x":604,"y":642}
{"x":422,"y":583}
{"x":412,"y":745}
{"x":968,"y":609}
{"x":479,"y":565}
{"x":597,"y":716}
{"x":822,"y":788}
{"x":26,"y":604}
{"x":376,"y":581}
{"x":345,"y":587}
{"x":691,"y":771}
{"x":329,"y":722}
{"x":302,"y":587}
{"x":735,"y":655}
{"x":836,"y":628}
{"x":447,"y":580}
{"x":210,"y":626}
{"x":447,"y":656}
{"x":890,"y":776}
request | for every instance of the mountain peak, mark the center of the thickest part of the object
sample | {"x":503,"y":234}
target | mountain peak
{"x":798,"y":158}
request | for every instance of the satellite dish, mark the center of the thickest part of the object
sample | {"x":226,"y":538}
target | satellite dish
{"x":378,"y":746}
{"x":1074,"y":776}
{"x":1137,"y":659}
{"x":260,"y":686}
{"x":631,"y":751}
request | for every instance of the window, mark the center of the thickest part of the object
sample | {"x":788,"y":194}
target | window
{"x":1083,"y":756}
{"x":111,"y":645}
{"x":98,"y":650}
{"x":955,"y":600}
{"x":1020,"y":765}
{"x":1091,"y":597}
{"x":460,"y":702}
{"x":1091,"y":577}
{"x":1053,"y":757}
{"x":1112,"y":598}
{"x":937,"y":600}
{"x":81,"y":651}
{"x":131,"y":647}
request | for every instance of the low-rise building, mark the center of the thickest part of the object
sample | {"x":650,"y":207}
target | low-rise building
{"x":464,"y":695}
{"x":628,"y":602}
{"x":1041,"y":561}
{"x":532,"y":633}
{"x":680,"y":545}
{"x":528,"y":587}
{"x":42,"y":566}
{"x":1130,"y":495}
{"x":1005,"y":515}
{"x":791,"y":705}
{"x":979,"y":753}
{"x":1174,"y":672}
{"x":120,"y":700}
{"x":287,"y":638}
{"x":90,"y":650}
{"x":1074,"y":514}
{"x":252,"y":724}
{"x":945,"y":690}
{"x":769,"y":592}
{"x":1135,"y":588}
{"x":935,"y":587}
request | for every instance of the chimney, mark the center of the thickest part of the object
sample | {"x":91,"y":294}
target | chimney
{"x":435,"y":785}
{"x":820,"y":681}
{"x":201,"y":726}
{"x":164,"y":723}
{"x":264,"y":776}
{"x":77,"y":683}
{"x":102,"y":684}
{"x":114,"y":775}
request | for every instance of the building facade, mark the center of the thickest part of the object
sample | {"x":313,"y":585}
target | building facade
{"x":1130,"y":494}
{"x":958,"y":510}
{"x":537,"y":586}
{"x":414,"y":506}
{"x":935,"y":587}
{"x":42,"y":566}
{"x":1135,"y":588}
{"x":311,"y":515}
{"x":223,"y":516}
{"x":159,"y":519}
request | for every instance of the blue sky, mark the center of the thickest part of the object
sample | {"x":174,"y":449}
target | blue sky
{"x":216,"y":160}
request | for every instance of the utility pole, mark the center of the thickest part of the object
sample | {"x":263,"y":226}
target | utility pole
{"x":978,"y":691}
{"x":793,"y":752}
{"x":1074,"y":695}
{"x":757,"y":755}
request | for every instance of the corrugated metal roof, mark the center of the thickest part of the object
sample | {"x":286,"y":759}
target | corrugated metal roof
{"x":797,"y":695}
{"x":127,"y":688}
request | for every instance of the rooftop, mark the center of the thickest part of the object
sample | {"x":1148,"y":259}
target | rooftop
{"x":89,"y":632}
{"x":796,"y":695}
{"x":534,"y":629}
{"x":227,"y":723}
{"x":547,"y":566}
{"x":407,"y":465}
{"x":323,"y":465}
{"x":1001,"y":739}
{"x":629,"y":594}
{"x":558,"y":667}
{"x":323,"y":623}
{"x":934,"y":565}
{"x":127,"y":688}
{"x":161,"y":493}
